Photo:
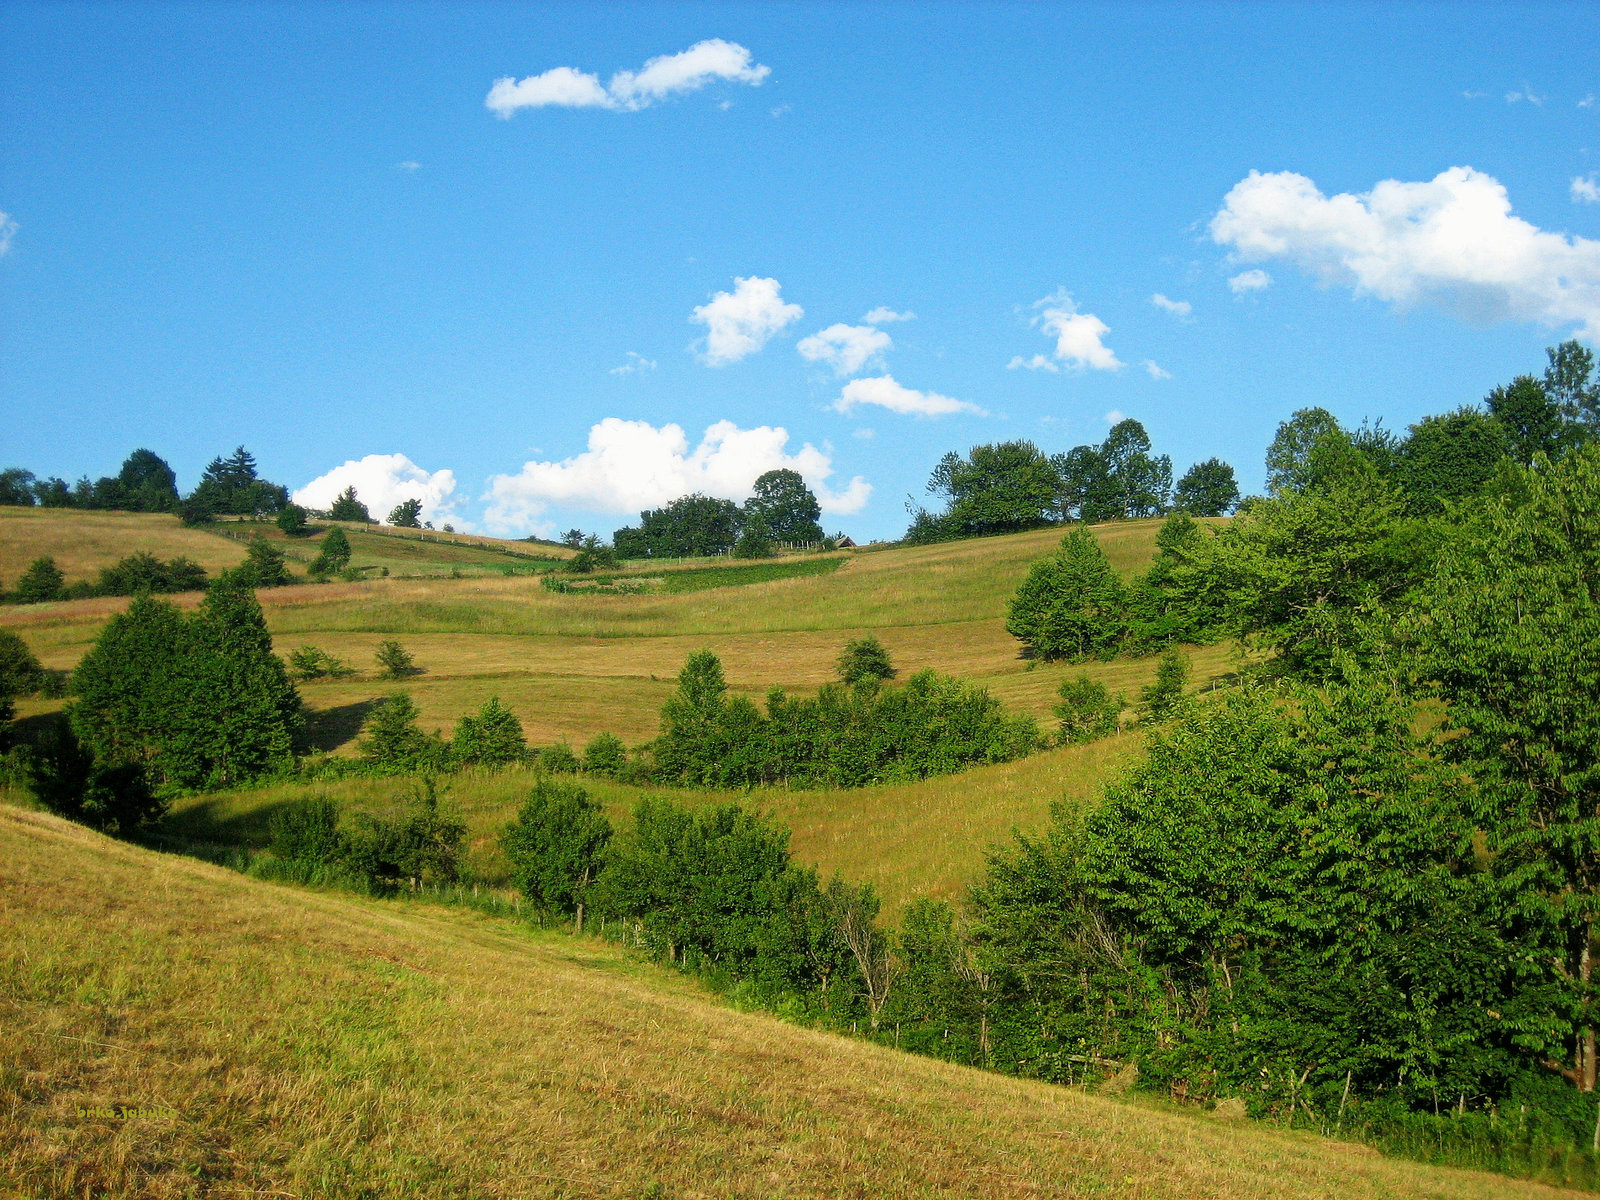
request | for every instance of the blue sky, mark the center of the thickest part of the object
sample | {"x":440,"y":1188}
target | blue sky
{"x":304,"y":228}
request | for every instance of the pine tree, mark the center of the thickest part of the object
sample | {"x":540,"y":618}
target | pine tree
{"x":490,"y":738}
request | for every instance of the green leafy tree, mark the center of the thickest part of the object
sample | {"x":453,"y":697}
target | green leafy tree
{"x":559,"y":760}
{"x":1086,"y":710}
{"x":593,"y":555}
{"x":864,"y":660}
{"x":292,"y":521}
{"x":573,"y":538}
{"x":1509,"y":629}
{"x":1083,"y":486}
{"x":307,"y":832}
{"x":16,"y":487}
{"x":20,"y":672}
{"x":65,"y":777}
{"x":1071,"y":605}
{"x":1570,"y":382}
{"x":1290,"y":457}
{"x":264,"y":566}
{"x":309,"y":662}
{"x":693,"y":525}
{"x":754,"y":540}
{"x":1164,"y":694}
{"x":1207,"y":489}
{"x":231,"y":486}
{"x":786,"y":507}
{"x":1531,"y":418}
{"x":394,"y":660}
{"x":348,"y":507}
{"x":146,"y":483}
{"x":334,"y":554}
{"x":41,"y":582}
{"x":406,"y":515}
{"x":1137,"y":483}
{"x":1450,"y":457}
{"x":557,"y":847}
{"x":693,"y":726}
{"x":490,"y":738}
{"x":998,"y":488}
{"x":144,"y":572}
{"x":605,"y":756}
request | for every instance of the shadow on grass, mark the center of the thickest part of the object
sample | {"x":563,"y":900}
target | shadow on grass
{"x":329,"y":728}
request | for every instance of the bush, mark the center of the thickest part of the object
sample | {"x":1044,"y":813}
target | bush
{"x":1087,"y":710}
{"x":143,"y":572}
{"x":263,"y":566}
{"x":556,"y":847}
{"x":40,"y":583}
{"x":334,"y":554}
{"x":422,"y":851}
{"x":864,"y":660}
{"x":394,"y":661}
{"x":292,"y":521}
{"x":1158,"y":700}
{"x":492,"y":738}
{"x":307,"y":832}
{"x":20,"y":672}
{"x":605,"y":756}
{"x":308,"y":662}
{"x":559,"y":760}
{"x":394,"y":743}
{"x":67,"y":779}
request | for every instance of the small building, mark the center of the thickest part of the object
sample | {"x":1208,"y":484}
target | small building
{"x":845,"y":542}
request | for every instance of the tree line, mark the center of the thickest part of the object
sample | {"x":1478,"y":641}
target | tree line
{"x":781,"y":508}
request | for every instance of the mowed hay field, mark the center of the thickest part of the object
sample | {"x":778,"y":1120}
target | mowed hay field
{"x":574,"y":665}
{"x":276,"y":1042}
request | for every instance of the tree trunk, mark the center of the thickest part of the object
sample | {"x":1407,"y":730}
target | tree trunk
{"x":1586,"y":1037}
{"x":577,"y":925}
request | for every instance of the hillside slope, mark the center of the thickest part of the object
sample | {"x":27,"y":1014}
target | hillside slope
{"x":299,"y":1044}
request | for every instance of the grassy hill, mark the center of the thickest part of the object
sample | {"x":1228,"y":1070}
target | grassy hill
{"x":286,"y":1043}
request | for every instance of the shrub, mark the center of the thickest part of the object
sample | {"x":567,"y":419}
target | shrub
{"x":492,"y":738}
{"x":1087,"y":710}
{"x":143,"y":572}
{"x":393,"y":740}
{"x":422,"y":851}
{"x":556,"y":847}
{"x":864,"y":660}
{"x":263,"y":566}
{"x":394,"y":661}
{"x":559,"y":760}
{"x":20,"y":672}
{"x":308,"y":662}
{"x":65,"y":777}
{"x":40,"y":583}
{"x":307,"y":832}
{"x":292,"y":521}
{"x":1158,"y":700}
{"x":334,"y":554}
{"x":605,"y":756}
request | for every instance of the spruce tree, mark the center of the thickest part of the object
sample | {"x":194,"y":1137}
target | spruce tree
{"x":490,"y":738}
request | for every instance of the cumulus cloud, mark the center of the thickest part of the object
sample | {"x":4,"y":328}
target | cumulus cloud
{"x":1452,"y":241}
{"x":628,"y":91}
{"x":632,"y":465}
{"x":1252,"y":280}
{"x":740,"y":322}
{"x":1181,"y":309}
{"x":383,"y":481}
{"x":1079,"y":336}
{"x":8,"y":230}
{"x":1116,"y":416}
{"x":882,"y":391}
{"x":845,"y":348}
{"x":1586,"y":190}
{"x":1037,"y":363}
{"x":884,"y":315}
{"x":636,"y":364}
{"x":1154,"y":371}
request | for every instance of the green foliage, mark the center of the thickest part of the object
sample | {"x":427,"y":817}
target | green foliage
{"x":1164,"y":694}
{"x":308,"y":662}
{"x":1207,"y":489}
{"x":1508,"y":627}
{"x":491,"y":738}
{"x":348,"y":507}
{"x":69,"y":780}
{"x":1070,"y":606}
{"x":557,"y":847}
{"x":292,"y":521}
{"x":307,"y":832}
{"x":405,"y":515}
{"x":422,"y":851}
{"x":394,"y":660}
{"x":844,"y":737}
{"x":334,"y":555}
{"x":1292,"y":456}
{"x":394,"y":743}
{"x":16,"y":487}
{"x":999,"y":488}
{"x":263,"y":566}
{"x":40,"y":583}
{"x":593,"y":555}
{"x":202,"y":701}
{"x":1086,"y":710}
{"x":785,"y":507}
{"x":605,"y":756}
{"x":1532,"y":420}
{"x":145,"y":484}
{"x":558,"y":759}
{"x":20,"y":672}
{"x":1449,"y":458}
{"x":231,"y":486}
{"x":864,"y":660}
{"x":144,"y":572}
{"x":754,"y":541}
{"x":1569,"y":381}
{"x":691,"y":526}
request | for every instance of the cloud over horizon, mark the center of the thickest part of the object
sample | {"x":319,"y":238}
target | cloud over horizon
{"x":882,"y":391}
{"x":383,"y":481}
{"x":631,"y":466}
{"x":1079,"y":336}
{"x":740,"y":322}
{"x":663,"y":76}
{"x":1451,"y":241}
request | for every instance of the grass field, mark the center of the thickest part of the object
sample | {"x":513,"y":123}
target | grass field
{"x":275,"y":1042}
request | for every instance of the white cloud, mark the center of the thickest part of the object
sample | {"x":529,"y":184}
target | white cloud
{"x":1473,"y":95}
{"x":1587,"y":101}
{"x":1078,"y":335}
{"x":1116,"y":416}
{"x":410,"y":164}
{"x":1154,"y":371}
{"x":636,"y":364}
{"x":1037,"y":363}
{"x":742,"y":321}
{"x":628,"y":91}
{"x":884,"y":315}
{"x":8,"y":230}
{"x":883,"y":392}
{"x":383,"y":481}
{"x":1252,"y":280}
{"x":1181,"y":309}
{"x":1527,"y":94}
{"x":865,"y":434}
{"x":631,"y":466}
{"x":845,"y":348}
{"x":1451,"y":240}
{"x":1586,"y":190}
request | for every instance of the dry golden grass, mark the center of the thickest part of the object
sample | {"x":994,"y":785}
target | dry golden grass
{"x":297,"y":1044}
{"x":83,"y":542}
